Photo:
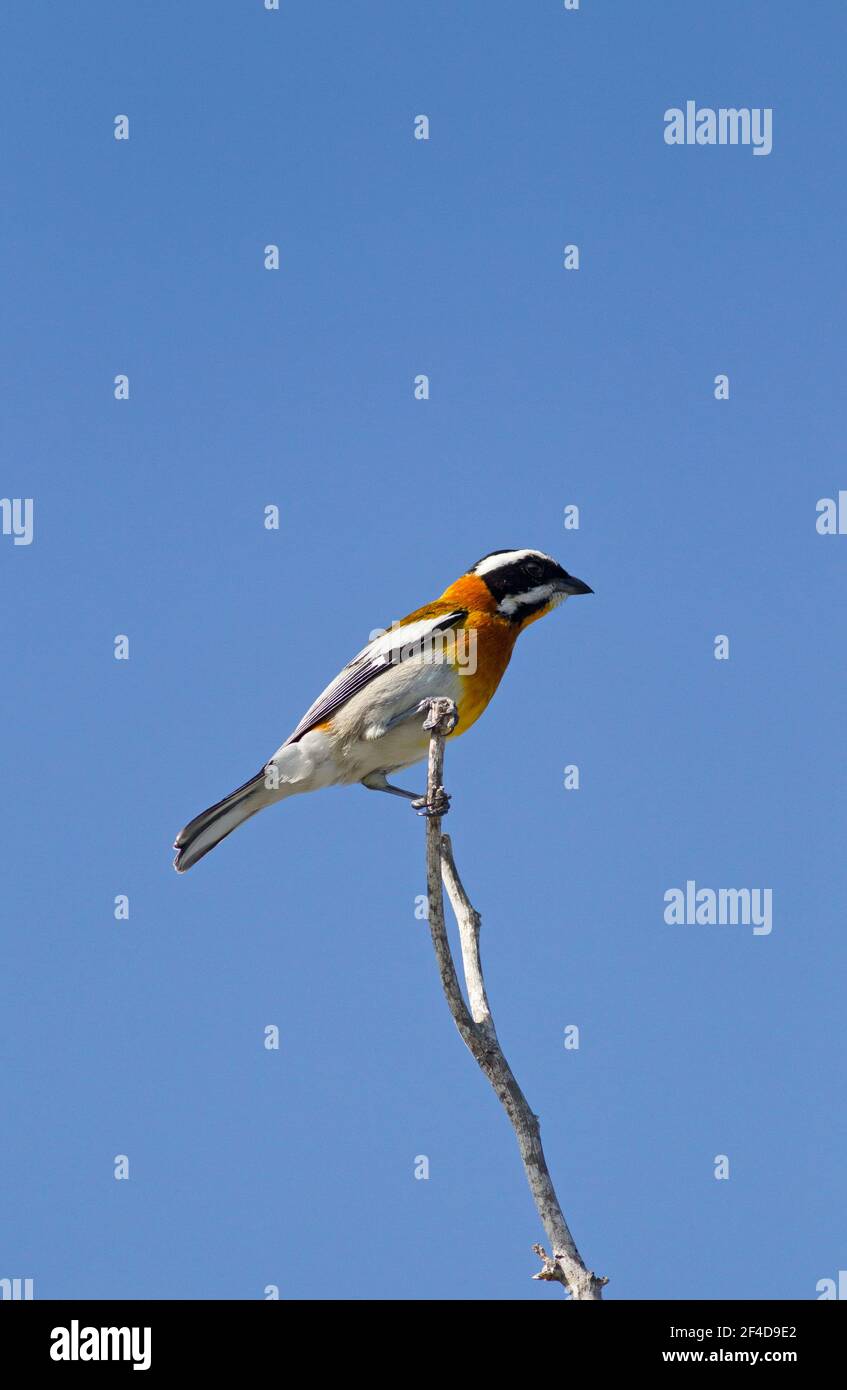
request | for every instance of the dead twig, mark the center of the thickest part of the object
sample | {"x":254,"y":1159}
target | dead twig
{"x":476,"y":1024}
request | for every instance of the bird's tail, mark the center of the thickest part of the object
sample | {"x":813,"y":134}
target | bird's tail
{"x":211,"y":826}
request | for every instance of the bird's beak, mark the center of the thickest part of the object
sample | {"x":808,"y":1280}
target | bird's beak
{"x":569,"y":585}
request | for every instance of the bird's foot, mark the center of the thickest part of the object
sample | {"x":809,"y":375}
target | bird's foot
{"x":438,"y":806}
{"x":441,"y":714}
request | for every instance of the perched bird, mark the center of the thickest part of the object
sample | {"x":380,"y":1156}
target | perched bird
{"x":367,"y":722}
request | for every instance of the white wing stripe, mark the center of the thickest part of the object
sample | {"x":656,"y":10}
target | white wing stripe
{"x":369,"y":663}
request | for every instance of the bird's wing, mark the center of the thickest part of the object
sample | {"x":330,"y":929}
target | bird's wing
{"x":370,"y":663}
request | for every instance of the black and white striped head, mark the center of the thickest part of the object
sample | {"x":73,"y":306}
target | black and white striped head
{"x":526,"y":583}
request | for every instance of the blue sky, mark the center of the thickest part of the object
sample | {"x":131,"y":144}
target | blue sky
{"x":697,"y":517}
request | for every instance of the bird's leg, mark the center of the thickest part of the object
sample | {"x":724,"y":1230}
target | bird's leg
{"x":377,"y":782}
{"x":441,"y":713}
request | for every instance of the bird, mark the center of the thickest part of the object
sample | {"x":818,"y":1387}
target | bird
{"x":367,"y":723}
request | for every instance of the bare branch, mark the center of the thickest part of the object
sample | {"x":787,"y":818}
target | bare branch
{"x":476,"y":1024}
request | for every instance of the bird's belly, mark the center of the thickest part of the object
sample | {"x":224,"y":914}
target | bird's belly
{"x":364,"y":733}
{"x":400,"y":747}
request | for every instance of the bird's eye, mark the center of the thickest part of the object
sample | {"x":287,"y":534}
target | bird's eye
{"x":534,"y":569}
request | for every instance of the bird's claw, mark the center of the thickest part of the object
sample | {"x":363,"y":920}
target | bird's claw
{"x":441,"y":714}
{"x":438,"y":806}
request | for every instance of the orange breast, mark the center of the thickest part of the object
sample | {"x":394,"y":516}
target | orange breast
{"x":487,"y":647}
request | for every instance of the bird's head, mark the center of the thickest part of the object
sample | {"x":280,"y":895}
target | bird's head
{"x":525,"y":584}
